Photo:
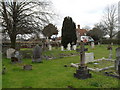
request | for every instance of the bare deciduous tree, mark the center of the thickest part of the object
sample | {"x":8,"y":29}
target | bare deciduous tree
{"x":23,"y":17}
{"x":110,"y":20}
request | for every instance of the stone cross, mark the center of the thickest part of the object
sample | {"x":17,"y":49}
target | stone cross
{"x":82,"y":72}
{"x":82,"y":54}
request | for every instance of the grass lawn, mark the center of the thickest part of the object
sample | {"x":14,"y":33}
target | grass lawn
{"x":53,"y":74}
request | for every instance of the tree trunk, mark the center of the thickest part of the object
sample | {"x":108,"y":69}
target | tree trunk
{"x":13,"y":41}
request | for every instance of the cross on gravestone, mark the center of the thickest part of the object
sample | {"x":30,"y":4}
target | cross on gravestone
{"x":82,"y":72}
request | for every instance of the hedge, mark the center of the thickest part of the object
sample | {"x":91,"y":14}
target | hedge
{"x":109,"y":41}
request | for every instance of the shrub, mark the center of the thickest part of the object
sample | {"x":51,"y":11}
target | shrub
{"x":109,"y":41}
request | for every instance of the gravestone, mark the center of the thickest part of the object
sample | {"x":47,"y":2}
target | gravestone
{"x":117,"y":58}
{"x":74,"y":47}
{"x":69,"y":47}
{"x":62,"y":48}
{"x":50,"y":47}
{"x":27,"y":67}
{"x":37,"y":54}
{"x":89,"y":57}
{"x":110,"y":51}
{"x":98,"y":43}
{"x":16,"y":57}
{"x":9,"y":52}
{"x":82,"y":72}
{"x":92,"y":44}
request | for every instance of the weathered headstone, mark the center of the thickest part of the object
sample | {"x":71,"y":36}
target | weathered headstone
{"x":69,"y":47}
{"x":74,"y":47}
{"x":98,"y":43}
{"x":89,"y":57}
{"x":37,"y":54}
{"x":16,"y":57}
{"x":62,"y":48}
{"x":117,"y":58}
{"x":9,"y":52}
{"x":92,"y":44}
{"x":50,"y":47}
{"x":82,"y":72}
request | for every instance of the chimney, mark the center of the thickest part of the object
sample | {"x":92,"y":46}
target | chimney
{"x":78,"y":26}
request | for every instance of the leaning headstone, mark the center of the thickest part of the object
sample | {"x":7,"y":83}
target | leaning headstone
{"x":69,"y":47}
{"x":50,"y":47}
{"x":92,"y":44}
{"x":74,"y":47}
{"x":9,"y":52}
{"x":16,"y":57}
{"x":62,"y":48}
{"x":89,"y":57}
{"x":37,"y":54}
{"x":117,"y":58}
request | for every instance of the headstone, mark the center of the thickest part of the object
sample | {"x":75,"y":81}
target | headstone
{"x":82,"y":72}
{"x":74,"y":47}
{"x":92,"y":44}
{"x":27,"y":67}
{"x":50,"y":47}
{"x":112,"y":44}
{"x":98,"y":43}
{"x":89,"y":57}
{"x":9,"y":52}
{"x":117,"y":58}
{"x":37,"y":54}
{"x":69,"y":47}
{"x":62,"y":48}
{"x":16,"y":57}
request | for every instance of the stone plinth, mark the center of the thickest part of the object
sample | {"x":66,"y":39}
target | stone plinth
{"x":82,"y":73}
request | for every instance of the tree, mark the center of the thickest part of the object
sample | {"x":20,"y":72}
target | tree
{"x":50,"y":30}
{"x":97,"y":32}
{"x":23,"y":17}
{"x":110,"y":20}
{"x":118,"y":35}
{"x":68,"y":32}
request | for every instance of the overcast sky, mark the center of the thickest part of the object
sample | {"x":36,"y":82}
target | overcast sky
{"x":83,"y":12}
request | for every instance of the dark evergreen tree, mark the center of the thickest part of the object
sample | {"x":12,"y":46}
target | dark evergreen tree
{"x":68,"y":32}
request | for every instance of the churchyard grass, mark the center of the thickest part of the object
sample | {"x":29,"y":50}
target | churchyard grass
{"x":53,"y":74}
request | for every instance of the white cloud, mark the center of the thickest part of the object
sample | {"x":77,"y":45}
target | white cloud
{"x":83,"y":12}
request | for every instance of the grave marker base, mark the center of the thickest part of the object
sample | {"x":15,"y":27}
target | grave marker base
{"x":82,"y":73}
